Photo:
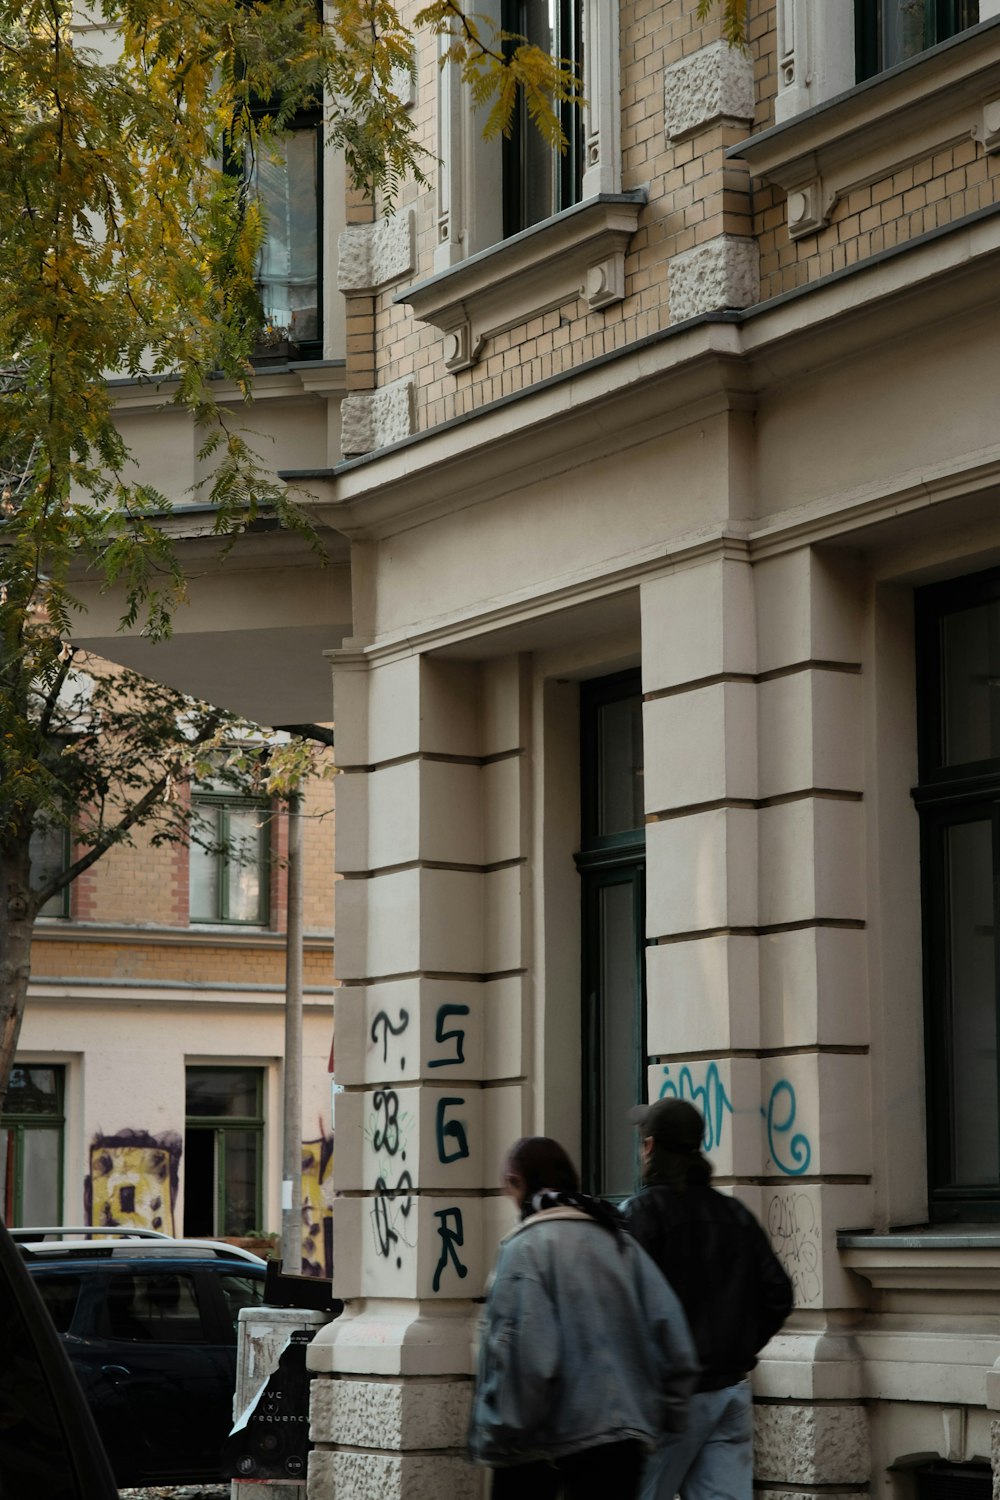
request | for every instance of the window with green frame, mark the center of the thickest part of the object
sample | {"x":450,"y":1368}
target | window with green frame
{"x":538,"y":180}
{"x":612,"y":866}
{"x":223,"y":1150}
{"x":33,"y":1127}
{"x":229,"y":864}
{"x":958,"y":799}
{"x":888,"y":32}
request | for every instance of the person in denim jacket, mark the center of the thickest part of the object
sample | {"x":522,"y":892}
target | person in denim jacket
{"x":585,"y":1354}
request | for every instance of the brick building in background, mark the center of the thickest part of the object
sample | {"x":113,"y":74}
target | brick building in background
{"x":147,"y":1088}
{"x":660,"y":490}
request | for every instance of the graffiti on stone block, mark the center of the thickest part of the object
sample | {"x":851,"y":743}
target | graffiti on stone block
{"x":453,"y":1034}
{"x":450,"y":1130}
{"x":451,"y":1233}
{"x":317,"y":1204}
{"x":794,"y":1232}
{"x":132,"y":1181}
{"x":390,"y":1216}
{"x":789,"y":1149}
{"x":705,"y":1090}
{"x":388,"y":1028}
{"x":386,"y":1136}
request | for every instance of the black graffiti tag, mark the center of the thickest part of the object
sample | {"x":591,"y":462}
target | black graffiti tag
{"x":386,"y":1137}
{"x":382,"y":1019}
{"x":452,"y":1233}
{"x":385,"y":1233}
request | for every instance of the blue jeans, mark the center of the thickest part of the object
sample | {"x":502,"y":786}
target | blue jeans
{"x":712,"y":1459}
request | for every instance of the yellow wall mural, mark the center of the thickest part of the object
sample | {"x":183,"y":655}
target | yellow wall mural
{"x":317,"y":1205}
{"x":133,"y":1180}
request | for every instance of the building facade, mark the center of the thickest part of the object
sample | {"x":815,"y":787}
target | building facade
{"x":660,"y":483}
{"x":148,"y":1084}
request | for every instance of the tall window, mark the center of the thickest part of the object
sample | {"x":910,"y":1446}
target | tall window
{"x":286,"y":177}
{"x":888,"y":32}
{"x":50,"y":850}
{"x":223,"y":1150}
{"x":229,"y":863}
{"x":31,"y":1161}
{"x":537,"y":180}
{"x":612,"y":865}
{"x":958,"y":656}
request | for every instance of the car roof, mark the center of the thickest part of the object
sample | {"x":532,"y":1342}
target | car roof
{"x":83,"y":1242}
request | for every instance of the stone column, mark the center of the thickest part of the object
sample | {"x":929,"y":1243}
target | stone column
{"x":757,"y":1006}
{"x":431,"y":837}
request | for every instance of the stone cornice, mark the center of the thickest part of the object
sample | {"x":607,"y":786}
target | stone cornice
{"x":944,"y":96}
{"x":723,"y":361}
{"x":580,"y":252}
{"x":62,"y":930}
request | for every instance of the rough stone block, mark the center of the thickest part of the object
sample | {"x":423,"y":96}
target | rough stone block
{"x":723,"y":272}
{"x":714,"y":82}
{"x":390,"y":1414}
{"x":371,"y":256}
{"x":376,"y":419}
{"x":806,"y":1445}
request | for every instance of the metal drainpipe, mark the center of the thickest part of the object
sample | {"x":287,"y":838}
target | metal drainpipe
{"x":291,"y":1186}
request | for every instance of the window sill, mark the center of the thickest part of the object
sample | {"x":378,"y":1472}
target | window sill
{"x":577,"y":253}
{"x":946,"y":95}
{"x":951,"y":1259}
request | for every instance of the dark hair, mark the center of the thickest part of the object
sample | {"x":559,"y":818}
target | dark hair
{"x":676,"y":1169}
{"x":542,"y":1163}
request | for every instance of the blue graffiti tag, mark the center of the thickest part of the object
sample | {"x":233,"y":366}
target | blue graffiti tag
{"x":799,"y":1149}
{"x":710,"y":1097}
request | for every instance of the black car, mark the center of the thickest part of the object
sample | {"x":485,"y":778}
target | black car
{"x":149,"y":1325}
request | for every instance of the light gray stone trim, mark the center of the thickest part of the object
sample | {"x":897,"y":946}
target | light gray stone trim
{"x":715,"y":82}
{"x":374,"y":419}
{"x":806,"y":1445}
{"x":724,"y":272}
{"x":390,"y":1414}
{"x":371,"y":256}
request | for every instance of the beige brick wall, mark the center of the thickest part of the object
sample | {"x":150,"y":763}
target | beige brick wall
{"x":926,"y":195}
{"x":695,"y":195}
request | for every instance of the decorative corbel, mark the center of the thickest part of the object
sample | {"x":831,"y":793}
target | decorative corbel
{"x":605,"y":280}
{"x":461,"y":347}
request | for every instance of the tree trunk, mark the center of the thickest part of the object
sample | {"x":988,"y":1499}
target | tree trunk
{"x":17,"y":919}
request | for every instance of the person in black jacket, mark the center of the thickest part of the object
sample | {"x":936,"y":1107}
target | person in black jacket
{"x":733,"y":1289}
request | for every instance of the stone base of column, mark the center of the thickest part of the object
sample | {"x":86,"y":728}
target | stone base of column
{"x":389,"y":1407}
{"x":809,"y":1446}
